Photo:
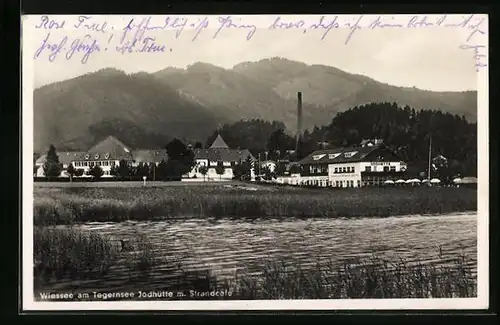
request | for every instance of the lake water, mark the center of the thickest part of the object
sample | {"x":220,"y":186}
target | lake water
{"x":227,"y":247}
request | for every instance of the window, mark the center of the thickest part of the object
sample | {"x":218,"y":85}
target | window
{"x":350,"y":154}
{"x":386,"y":168}
{"x":91,"y":164}
{"x":368,"y":168}
{"x":352,"y":169}
{"x":333,"y":155}
{"x":318,"y":157}
{"x":393,"y":168}
{"x":359,"y":183}
{"x":336,"y":170}
{"x":352,"y":183}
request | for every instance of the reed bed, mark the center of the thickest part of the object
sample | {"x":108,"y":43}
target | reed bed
{"x":69,"y":253}
{"x":373,"y":278}
{"x":79,"y":205}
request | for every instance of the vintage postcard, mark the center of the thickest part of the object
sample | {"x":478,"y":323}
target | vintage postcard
{"x":259,"y":162}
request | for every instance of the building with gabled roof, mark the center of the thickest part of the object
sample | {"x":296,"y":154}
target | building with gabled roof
{"x":369,"y":164}
{"x":106,"y":154}
{"x":219,"y":143}
{"x":65,"y":158}
{"x":218,"y":153}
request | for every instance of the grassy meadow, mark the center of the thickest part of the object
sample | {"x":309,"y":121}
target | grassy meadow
{"x":68,"y":205}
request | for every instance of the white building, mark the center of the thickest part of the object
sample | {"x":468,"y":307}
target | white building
{"x":370,"y":164}
{"x":105,"y":154}
{"x":65,"y":158}
{"x":218,"y":153}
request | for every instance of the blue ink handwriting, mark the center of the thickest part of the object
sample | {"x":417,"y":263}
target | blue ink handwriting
{"x":53,"y":48}
{"x":200,"y":26}
{"x":83,"y":22}
{"x":47,"y":23}
{"x":326,"y":26}
{"x":227,"y":22}
{"x":279,"y":24}
{"x":379,"y":23}
{"x":353,"y":28}
{"x":81,"y":45}
{"x":87,"y":45}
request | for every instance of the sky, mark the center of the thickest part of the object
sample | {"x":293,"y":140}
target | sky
{"x":427,"y":58}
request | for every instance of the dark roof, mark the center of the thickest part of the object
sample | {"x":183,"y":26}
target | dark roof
{"x":340,"y":155}
{"x":148,"y":156}
{"x":110,"y":146}
{"x":219,"y":143}
{"x":216,"y":154}
{"x":64,"y":157}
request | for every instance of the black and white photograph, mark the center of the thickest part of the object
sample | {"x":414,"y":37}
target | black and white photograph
{"x":218,"y":162}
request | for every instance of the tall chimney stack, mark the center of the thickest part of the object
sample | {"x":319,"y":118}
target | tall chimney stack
{"x":299,"y":120}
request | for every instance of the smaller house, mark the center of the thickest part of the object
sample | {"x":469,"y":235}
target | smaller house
{"x":218,"y":153}
{"x":65,"y":158}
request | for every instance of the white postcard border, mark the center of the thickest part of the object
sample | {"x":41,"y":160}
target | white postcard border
{"x":29,"y":304}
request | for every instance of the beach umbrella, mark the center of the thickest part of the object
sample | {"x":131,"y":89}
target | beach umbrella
{"x":435,"y":181}
{"x":389,"y":182}
{"x":424,"y":181}
{"x":457,"y":180}
{"x":400,"y":181}
{"x":415,"y":180}
{"x":469,"y":180}
{"x":409,"y":181}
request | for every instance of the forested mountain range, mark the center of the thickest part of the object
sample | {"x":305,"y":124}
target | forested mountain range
{"x":146,"y":110}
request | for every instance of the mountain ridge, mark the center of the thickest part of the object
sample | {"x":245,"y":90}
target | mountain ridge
{"x":145,"y":109}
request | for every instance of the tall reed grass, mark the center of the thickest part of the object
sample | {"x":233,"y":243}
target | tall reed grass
{"x":71,"y":253}
{"x":78,"y":205}
{"x":374,"y":278}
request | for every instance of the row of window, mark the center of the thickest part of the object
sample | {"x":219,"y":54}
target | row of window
{"x":347,"y":183}
{"x":210,"y":170}
{"x":94,"y":163}
{"x":318,"y":169}
{"x":339,"y":170}
{"x":386,"y":168}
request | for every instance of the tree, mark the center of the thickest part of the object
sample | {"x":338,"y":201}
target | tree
{"x":280,"y":142}
{"x":198,"y":145}
{"x":242,"y":170}
{"x":268,"y":174}
{"x":180,"y":159}
{"x":52,"y":167}
{"x":203,"y":170}
{"x":280,"y":168}
{"x":123,"y":169}
{"x":161,"y":170}
{"x":219,"y":169}
{"x":96,"y":172}
{"x":71,"y":172}
{"x":141,"y":170}
{"x":79,"y":172}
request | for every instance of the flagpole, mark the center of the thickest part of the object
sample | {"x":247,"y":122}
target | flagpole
{"x":429,"y":169}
